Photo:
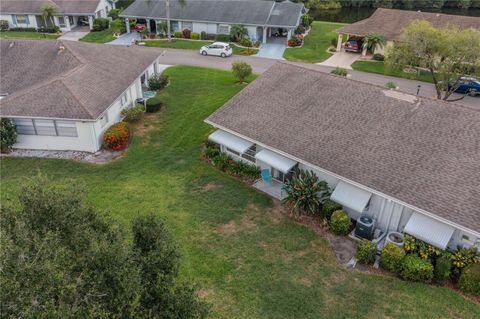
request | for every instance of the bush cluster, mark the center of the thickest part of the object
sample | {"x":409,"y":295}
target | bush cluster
{"x":133,"y":113}
{"x":194,"y":36}
{"x":241,"y":70}
{"x":378,"y":57}
{"x":153,"y":104}
{"x":117,"y":136}
{"x":246,"y":42}
{"x":340,"y":223}
{"x":3,"y":25}
{"x":294,"y":41}
{"x":391,"y":258}
{"x":158,"y":82}
{"x":339,"y":71}
{"x":307,"y":20}
{"x":207,"y":36}
{"x":443,"y":267}
{"x":23,"y":29}
{"x":178,"y":34}
{"x":414,"y":268}
{"x":52,"y":29}
{"x":222,"y":37}
{"x":100,"y":24}
{"x":8,"y":134}
{"x":186,"y":33}
{"x":366,"y":252}
{"x":226,"y":164}
{"x":114,"y":13}
{"x":300,"y":29}
{"x":328,"y":207}
{"x":470,"y":279}
{"x":334,"y":42}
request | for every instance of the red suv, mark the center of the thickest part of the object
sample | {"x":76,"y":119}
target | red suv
{"x":354,"y":45}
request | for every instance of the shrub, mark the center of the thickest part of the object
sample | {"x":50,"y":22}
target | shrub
{"x":117,"y":136}
{"x":334,"y":42}
{"x":257,"y":43}
{"x":238,"y":32}
{"x":100,"y":24}
{"x":178,"y":34}
{"x":306,"y":20}
{"x":246,"y":42}
{"x":158,"y":82}
{"x":378,"y":57}
{"x":470,"y":279}
{"x":391,"y":85}
{"x":443,"y":267}
{"x":194,"y":36}
{"x":52,"y":29}
{"x":23,"y":29}
{"x":391,"y":257}
{"x":340,"y":223}
{"x":3,"y":25}
{"x":212,"y":150}
{"x":464,"y":257}
{"x":222,"y":161}
{"x":222,"y":37}
{"x":210,"y":36}
{"x":294,"y":42}
{"x":241,"y":70}
{"x":186,"y":33}
{"x":203,"y":35}
{"x":242,"y":168}
{"x":133,"y":113}
{"x":8,"y":134}
{"x":366,"y":252}
{"x":153,"y":104}
{"x":328,"y":207}
{"x":114,"y":14}
{"x":339,"y":71}
{"x":300,"y":30}
{"x":414,"y":268}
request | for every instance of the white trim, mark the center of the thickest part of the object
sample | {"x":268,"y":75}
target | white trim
{"x":433,"y":232}
{"x":351,"y":196}
{"x":277,"y":161}
{"x":230,"y":141}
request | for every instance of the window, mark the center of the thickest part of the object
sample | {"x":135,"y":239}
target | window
{"x":21,"y":19}
{"x":25,"y":126}
{"x":124,"y":99}
{"x":233,"y":152}
{"x":249,"y":155}
{"x":187,"y":25}
{"x":104,"y":119}
{"x":61,"y":22}
{"x":66,"y":128}
{"x":223,"y":29}
{"x":45,"y":127}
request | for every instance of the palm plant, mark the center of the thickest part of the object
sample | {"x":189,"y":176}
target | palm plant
{"x":305,"y":192}
{"x":238,"y":32}
{"x":372,"y":40}
{"x":48,"y":11}
{"x":167,"y":11}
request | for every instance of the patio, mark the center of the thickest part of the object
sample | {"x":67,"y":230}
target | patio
{"x":273,"y":188}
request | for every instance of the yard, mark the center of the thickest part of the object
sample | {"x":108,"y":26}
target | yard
{"x":28,"y":35}
{"x":379,"y":68}
{"x":316,"y":43}
{"x":250,"y":260}
{"x":106,"y":35}
{"x":189,"y":44}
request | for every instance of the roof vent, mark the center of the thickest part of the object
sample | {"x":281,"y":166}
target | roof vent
{"x":11,"y":44}
{"x":61,"y":48}
{"x":400,"y":96}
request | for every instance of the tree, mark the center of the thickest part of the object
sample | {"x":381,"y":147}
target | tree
{"x":238,"y":32}
{"x":162,"y":27}
{"x":305,"y":192}
{"x":8,"y":134}
{"x":48,"y":11}
{"x":447,"y":54}
{"x":372,"y":40}
{"x":62,"y":259}
{"x":167,"y":11}
{"x":241,"y":70}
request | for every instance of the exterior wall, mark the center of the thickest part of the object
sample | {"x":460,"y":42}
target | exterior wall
{"x":8,"y":17}
{"x":252,"y":32}
{"x":381,"y":50}
{"x":103,"y":8}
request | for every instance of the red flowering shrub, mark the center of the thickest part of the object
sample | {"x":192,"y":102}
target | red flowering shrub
{"x":186,"y":33}
{"x":295,"y":41}
{"x":116,"y":136}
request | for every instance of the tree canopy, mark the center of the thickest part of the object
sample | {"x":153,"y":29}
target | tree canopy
{"x":60,"y":258}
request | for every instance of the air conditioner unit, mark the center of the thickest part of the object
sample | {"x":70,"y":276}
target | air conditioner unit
{"x":365,"y":227}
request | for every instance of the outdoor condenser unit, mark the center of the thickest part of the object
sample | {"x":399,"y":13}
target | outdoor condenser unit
{"x":365,"y":227}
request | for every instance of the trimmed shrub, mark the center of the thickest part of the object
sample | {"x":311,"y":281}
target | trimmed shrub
{"x":464,"y":257}
{"x":222,"y":161}
{"x":158,"y":82}
{"x":470,"y":279}
{"x":100,"y":24}
{"x":241,"y":70}
{"x":242,"y":168}
{"x":443,"y":267}
{"x":328,"y":207}
{"x":153,"y":104}
{"x":177,"y":34}
{"x":391,"y":85}
{"x":378,"y":57}
{"x":414,"y":268}
{"x":366,"y":252}
{"x":52,"y":29}
{"x":133,"y":113}
{"x":391,"y":258}
{"x":339,"y":71}
{"x":334,"y":42}
{"x":203,"y":35}
{"x":294,"y":42}
{"x":222,"y":37}
{"x":117,"y":136}
{"x":194,"y":36}
{"x":300,"y":30}
{"x":186,"y":33}
{"x":340,"y":223}
{"x":23,"y":29}
{"x":8,"y":134}
{"x":306,"y":20}
{"x":3,"y":25}
{"x":210,"y":36}
{"x":114,"y":14}
{"x":246,"y":42}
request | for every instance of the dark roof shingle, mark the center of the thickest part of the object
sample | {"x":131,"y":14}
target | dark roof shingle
{"x":63,"y":6}
{"x":425,"y":153}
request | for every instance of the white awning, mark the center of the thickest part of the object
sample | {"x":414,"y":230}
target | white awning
{"x":282,"y":163}
{"x":231,"y":141}
{"x":351,"y":196}
{"x":429,"y":230}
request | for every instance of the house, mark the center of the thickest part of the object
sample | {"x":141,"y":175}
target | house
{"x":62,"y":95}
{"x":71,"y":13}
{"x":262,"y":19}
{"x":391,"y":22}
{"x":411,"y":163}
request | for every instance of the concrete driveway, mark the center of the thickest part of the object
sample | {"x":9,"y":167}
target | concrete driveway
{"x":126,"y":39}
{"x":273,"y":49}
{"x":341,"y":59}
{"x":76,"y":34}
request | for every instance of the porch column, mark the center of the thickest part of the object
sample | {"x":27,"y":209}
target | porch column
{"x":289,"y":34}
{"x":148,"y":25}
{"x":339,"y":42}
{"x":264,"y":40}
{"x":67,"y":23}
{"x":90,"y":22}
{"x":364,"y":51}
{"x":127,"y":25}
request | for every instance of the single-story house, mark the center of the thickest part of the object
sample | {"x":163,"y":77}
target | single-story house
{"x":391,"y":22}
{"x":262,"y":19}
{"x":410,"y":163}
{"x":71,"y":13}
{"x":62,"y":95}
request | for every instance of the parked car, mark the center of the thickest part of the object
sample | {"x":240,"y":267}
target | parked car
{"x":354,"y":45}
{"x":217,"y":48}
{"x":466,"y":85}
{"x":139,"y":27}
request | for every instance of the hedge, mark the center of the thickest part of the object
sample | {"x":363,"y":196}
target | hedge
{"x":391,"y":257}
{"x":414,"y":268}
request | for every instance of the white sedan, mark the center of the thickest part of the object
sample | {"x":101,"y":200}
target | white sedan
{"x":217,"y":48}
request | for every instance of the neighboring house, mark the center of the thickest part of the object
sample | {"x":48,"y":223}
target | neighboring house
{"x":263,"y":19}
{"x":411,"y":163}
{"x":62,"y":95}
{"x":391,"y":22}
{"x":71,"y":13}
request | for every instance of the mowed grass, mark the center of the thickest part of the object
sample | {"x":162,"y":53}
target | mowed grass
{"x":28,"y":35}
{"x":380,"y":68}
{"x":104,"y":36}
{"x":191,"y":45}
{"x":316,"y":43}
{"x":249,"y":260}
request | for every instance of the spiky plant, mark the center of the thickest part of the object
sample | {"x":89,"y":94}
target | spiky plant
{"x":372,"y":40}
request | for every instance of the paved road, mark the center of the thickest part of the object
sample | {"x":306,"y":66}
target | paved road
{"x":260,"y":65}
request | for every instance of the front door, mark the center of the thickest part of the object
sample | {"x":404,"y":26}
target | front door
{"x":276,"y":174}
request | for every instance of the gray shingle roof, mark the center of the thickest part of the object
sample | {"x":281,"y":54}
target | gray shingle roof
{"x":63,"y":6}
{"x":391,"y":22}
{"x":79,"y":82}
{"x":425,"y":154}
{"x":220,"y":11}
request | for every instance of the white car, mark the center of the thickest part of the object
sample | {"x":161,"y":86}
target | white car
{"x":217,"y":48}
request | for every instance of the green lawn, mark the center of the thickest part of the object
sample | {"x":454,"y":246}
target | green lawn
{"x":316,"y":43}
{"x":250,"y":261}
{"x":379,"y":67}
{"x":105,"y":35}
{"x":28,"y":35}
{"x":188,"y":44}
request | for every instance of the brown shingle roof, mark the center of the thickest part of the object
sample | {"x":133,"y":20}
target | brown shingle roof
{"x":63,"y":6}
{"x":79,"y":82}
{"x":391,"y":22}
{"x":425,"y":153}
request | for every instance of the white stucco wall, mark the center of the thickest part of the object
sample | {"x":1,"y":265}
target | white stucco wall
{"x":8,"y":17}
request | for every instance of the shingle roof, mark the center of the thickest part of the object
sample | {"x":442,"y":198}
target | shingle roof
{"x":220,"y":11}
{"x":79,"y":82}
{"x":391,"y":22}
{"x":425,"y":153}
{"x":63,"y":6}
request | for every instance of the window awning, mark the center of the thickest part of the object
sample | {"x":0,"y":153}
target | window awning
{"x":429,"y":230}
{"x":351,"y":196}
{"x":231,"y":141}
{"x":282,"y":163}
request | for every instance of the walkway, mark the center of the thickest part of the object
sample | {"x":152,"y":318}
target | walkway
{"x":273,"y":49}
{"x":76,"y":34}
{"x":126,"y":39}
{"x":341,"y":59}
